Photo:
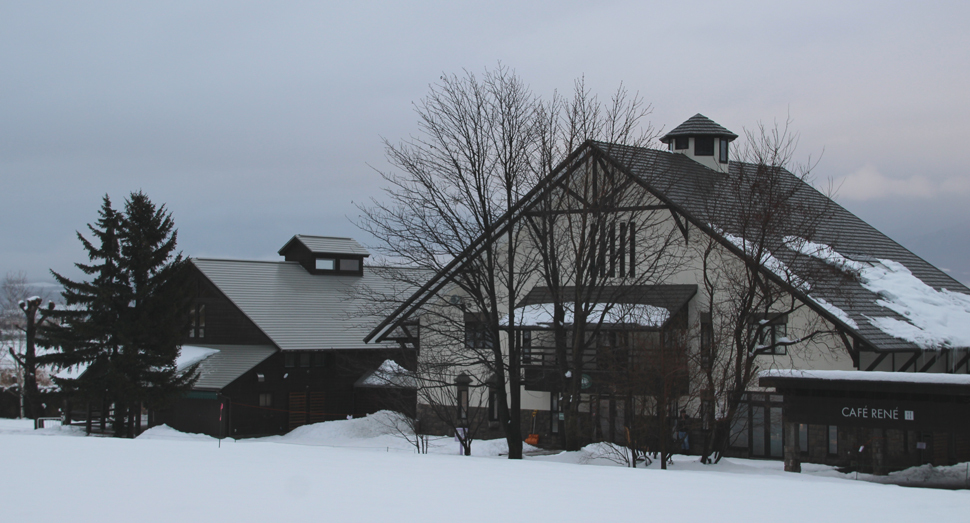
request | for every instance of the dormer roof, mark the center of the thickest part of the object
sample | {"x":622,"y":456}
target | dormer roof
{"x":326,"y":245}
{"x":698,"y":125}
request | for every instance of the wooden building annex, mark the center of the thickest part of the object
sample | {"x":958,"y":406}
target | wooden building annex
{"x":287,"y":339}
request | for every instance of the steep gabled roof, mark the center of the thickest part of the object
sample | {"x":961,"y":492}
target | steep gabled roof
{"x":698,"y":125}
{"x":697,"y":193}
{"x":691,"y":188}
{"x":298,"y":310}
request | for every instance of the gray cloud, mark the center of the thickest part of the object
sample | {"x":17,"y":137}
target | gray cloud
{"x":255,"y":121}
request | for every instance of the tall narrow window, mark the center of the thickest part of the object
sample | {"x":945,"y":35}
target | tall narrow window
{"x":461,"y":384}
{"x":724,"y":150}
{"x":193,"y":321}
{"x":622,"y":253}
{"x":707,"y":339}
{"x":526,"y":346}
{"x":612,"y":242}
{"x":803,"y":438}
{"x":201,"y":320}
{"x":833,"y":440}
{"x":463,"y":404}
{"x":632,"y":272}
{"x":197,"y":321}
{"x":492,"y":404}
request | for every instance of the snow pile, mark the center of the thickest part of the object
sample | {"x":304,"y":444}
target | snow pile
{"x":166,"y":432}
{"x":541,"y":314}
{"x":936,"y":319}
{"x":389,"y":374}
{"x":381,"y":423}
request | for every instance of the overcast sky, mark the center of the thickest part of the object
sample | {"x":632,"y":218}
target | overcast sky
{"x":256,"y":121}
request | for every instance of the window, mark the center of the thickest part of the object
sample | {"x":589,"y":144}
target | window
{"x":769,"y":336}
{"x":492,"y":404}
{"x":197,"y":321}
{"x":724,"y":150}
{"x":265,"y":399}
{"x":526,"y":346}
{"x":704,"y":146}
{"x":260,"y":377}
{"x":739,"y":427}
{"x":681,"y":142}
{"x":833,"y":440}
{"x":477,"y":335}
{"x":554,"y":412}
{"x":614,"y":251}
{"x":289,"y":359}
{"x":707,"y":339}
{"x":349,"y":265}
{"x":325,"y":264}
{"x":463,"y":403}
{"x":304,"y":359}
{"x":803,"y":438}
{"x":320,"y":359}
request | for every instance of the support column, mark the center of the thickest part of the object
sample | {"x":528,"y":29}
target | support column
{"x":878,"y":447}
{"x":793,"y":462}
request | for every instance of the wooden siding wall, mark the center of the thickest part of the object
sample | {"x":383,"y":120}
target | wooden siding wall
{"x":303,"y":395}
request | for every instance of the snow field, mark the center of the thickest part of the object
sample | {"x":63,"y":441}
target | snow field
{"x":166,"y":476}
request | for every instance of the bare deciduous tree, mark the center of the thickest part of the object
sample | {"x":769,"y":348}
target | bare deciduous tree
{"x":765,"y":202}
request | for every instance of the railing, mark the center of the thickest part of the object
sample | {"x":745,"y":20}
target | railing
{"x":46,"y":423}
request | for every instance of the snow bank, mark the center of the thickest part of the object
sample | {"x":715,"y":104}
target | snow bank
{"x":935,"y":319}
{"x":166,"y":432}
{"x":374,"y":425}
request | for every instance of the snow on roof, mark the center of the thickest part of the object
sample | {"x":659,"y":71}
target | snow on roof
{"x":541,"y":314}
{"x":190,"y":355}
{"x":389,"y":374}
{"x":768,"y":260}
{"x":73,"y":372}
{"x":862,"y":375}
{"x":935,"y":319}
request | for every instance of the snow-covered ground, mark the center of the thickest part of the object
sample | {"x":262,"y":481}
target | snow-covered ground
{"x":354,"y":471}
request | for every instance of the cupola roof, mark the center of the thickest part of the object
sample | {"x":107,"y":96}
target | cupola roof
{"x":698,"y":125}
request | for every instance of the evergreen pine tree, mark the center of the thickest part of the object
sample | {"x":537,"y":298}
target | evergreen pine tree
{"x":86,"y":333}
{"x":127,"y":321}
{"x":156,"y":316}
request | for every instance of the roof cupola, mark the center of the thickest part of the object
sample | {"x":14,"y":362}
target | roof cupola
{"x":326,"y":254}
{"x":701,"y":140}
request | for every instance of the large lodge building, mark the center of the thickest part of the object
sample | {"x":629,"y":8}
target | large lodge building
{"x":856,"y":321}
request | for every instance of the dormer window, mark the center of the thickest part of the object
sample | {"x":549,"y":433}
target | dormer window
{"x":704,"y":146}
{"x":724,"y":150}
{"x":326,"y":255}
{"x":681,"y":142}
